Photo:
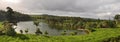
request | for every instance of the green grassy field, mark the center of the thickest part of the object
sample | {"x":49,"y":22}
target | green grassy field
{"x":98,"y":36}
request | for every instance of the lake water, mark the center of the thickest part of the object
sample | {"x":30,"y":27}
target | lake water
{"x":43,"y":27}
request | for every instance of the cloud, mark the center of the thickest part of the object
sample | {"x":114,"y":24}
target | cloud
{"x":79,"y":8}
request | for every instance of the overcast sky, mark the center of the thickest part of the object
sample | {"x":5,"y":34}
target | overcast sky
{"x":103,"y":9}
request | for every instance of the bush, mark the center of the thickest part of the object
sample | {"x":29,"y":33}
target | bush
{"x":63,"y":33}
{"x":46,"y":32}
{"x":107,"y":24}
{"x":9,"y":30}
{"x":38,"y":31}
{"x":91,"y":29}
{"x":91,"y":25}
{"x":73,"y":33}
{"x":26,"y":31}
{"x":36,"y":23}
{"x":1,"y":33}
{"x":21,"y":31}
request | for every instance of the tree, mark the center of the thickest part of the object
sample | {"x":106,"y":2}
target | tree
{"x":73,"y":33}
{"x":117,"y":18}
{"x":21,"y":31}
{"x":9,"y":17}
{"x":26,"y":31}
{"x":36,"y":23}
{"x":46,"y":32}
{"x":9,"y":14}
{"x":9,"y":30}
{"x":107,"y":24}
{"x":38,"y":31}
{"x":63,"y":33}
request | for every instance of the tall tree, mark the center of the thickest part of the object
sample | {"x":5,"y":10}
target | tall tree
{"x":10,"y":17}
{"x":117,"y":18}
{"x":9,"y":14}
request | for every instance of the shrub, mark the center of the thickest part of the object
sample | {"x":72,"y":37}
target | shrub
{"x":46,"y":32}
{"x":91,"y":29}
{"x":36,"y":23}
{"x":73,"y":33}
{"x":9,"y":30}
{"x":1,"y":32}
{"x":21,"y":31}
{"x":38,"y":31}
{"x":107,"y":24}
{"x":26,"y":31}
{"x":63,"y":33}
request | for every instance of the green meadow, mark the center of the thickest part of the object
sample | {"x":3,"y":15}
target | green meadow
{"x":100,"y":35}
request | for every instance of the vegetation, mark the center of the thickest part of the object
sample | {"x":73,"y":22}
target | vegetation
{"x":117,"y":19}
{"x":73,"y":33}
{"x":21,"y":31}
{"x":63,"y":33}
{"x":38,"y":32}
{"x":36,"y":23}
{"x":61,"y":22}
{"x":8,"y":29}
{"x":99,"y":35}
{"x":26,"y":31}
{"x":1,"y":25}
{"x":18,"y":16}
{"x":46,"y":33}
{"x":97,"y":30}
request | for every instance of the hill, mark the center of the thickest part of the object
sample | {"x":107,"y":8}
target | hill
{"x":19,"y":16}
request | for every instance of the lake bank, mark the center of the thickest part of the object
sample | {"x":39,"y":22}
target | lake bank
{"x":43,"y":28}
{"x":98,"y":36}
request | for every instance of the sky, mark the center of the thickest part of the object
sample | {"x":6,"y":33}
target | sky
{"x":103,"y":9}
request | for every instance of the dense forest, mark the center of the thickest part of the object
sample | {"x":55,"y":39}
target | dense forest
{"x":18,"y":16}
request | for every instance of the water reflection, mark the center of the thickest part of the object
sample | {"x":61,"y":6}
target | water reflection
{"x":43,"y":27}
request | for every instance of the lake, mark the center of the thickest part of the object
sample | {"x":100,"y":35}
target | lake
{"x":43,"y":27}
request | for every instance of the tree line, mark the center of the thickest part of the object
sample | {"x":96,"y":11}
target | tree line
{"x":65,"y":22}
{"x":17,"y":16}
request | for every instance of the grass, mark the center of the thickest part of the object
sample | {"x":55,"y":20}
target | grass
{"x":98,"y":36}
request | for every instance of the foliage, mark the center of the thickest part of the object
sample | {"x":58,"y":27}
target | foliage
{"x":8,"y":29}
{"x":46,"y":33}
{"x":26,"y":31}
{"x":100,"y":35}
{"x":1,"y":25}
{"x":73,"y":33}
{"x":36,"y":23}
{"x":38,"y":32}
{"x":21,"y":31}
{"x":9,"y":15}
{"x":64,"y":22}
{"x":117,"y":17}
{"x":16,"y":15}
{"x":63,"y":33}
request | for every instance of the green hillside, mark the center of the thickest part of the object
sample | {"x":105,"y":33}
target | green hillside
{"x":99,"y":36}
